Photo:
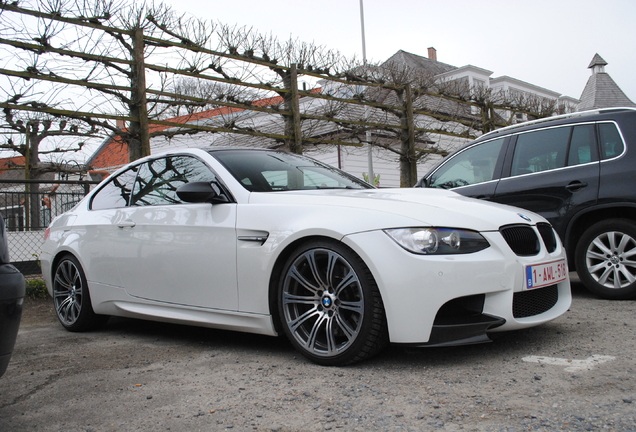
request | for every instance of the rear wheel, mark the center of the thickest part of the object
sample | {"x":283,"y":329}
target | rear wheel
{"x":606,"y":259}
{"x":330,"y":305}
{"x":71,"y":297}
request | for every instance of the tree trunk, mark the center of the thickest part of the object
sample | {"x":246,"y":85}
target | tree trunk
{"x":139,"y":143}
{"x":290,"y":103}
{"x":297,"y":141}
{"x":31,"y":190}
{"x":408,"y":158}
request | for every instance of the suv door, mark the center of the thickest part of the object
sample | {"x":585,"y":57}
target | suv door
{"x":553,"y":172}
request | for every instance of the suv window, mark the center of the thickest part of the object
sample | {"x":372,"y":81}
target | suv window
{"x":611,"y":142}
{"x":554,"y":148}
{"x":583,"y":147}
{"x":159,"y":179}
{"x":473,"y":165}
{"x":540,"y":151}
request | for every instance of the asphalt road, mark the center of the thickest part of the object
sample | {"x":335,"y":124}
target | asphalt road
{"x":575,"y":373}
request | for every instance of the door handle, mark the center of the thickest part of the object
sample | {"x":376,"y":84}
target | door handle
{"x":575,"y":185}
{"x":127,"y":223}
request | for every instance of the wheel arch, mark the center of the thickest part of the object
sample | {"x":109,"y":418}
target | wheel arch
{"x":55,"y":260}
{"x":584,"y":221}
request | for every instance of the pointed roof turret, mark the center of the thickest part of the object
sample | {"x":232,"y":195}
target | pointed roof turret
{"x":597,"y":61}
{"x":601,"y":91}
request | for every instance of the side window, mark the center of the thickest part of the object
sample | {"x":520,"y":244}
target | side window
{"x":611,"y":143}
{"x":115,"y":193}
{"x":159,"y":179}
{"x":540,"y":150}
{"x":473,"y":165}
{"x":583,"y":147}
{"x":278,"y":180}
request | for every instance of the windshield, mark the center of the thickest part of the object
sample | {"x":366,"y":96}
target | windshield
{"x":270,"y":171}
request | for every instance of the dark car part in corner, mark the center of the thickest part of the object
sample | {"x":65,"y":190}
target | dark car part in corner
{"x":12,"y":290}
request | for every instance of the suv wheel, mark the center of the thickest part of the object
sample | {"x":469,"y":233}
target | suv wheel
{"x":606,"y":259}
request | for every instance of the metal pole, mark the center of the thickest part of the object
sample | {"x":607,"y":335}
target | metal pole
{"x":364,"y":44}
{"x":366,"y":107}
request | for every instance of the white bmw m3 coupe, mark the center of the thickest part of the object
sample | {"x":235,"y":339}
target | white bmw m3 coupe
{"x":276,"y":243}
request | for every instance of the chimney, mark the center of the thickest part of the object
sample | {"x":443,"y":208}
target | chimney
{"x":120,"y":124}
{"x":432,"y":53}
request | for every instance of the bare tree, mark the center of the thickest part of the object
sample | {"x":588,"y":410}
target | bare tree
{"x":194,"y":95}
{"x":403,"y":114}
{"x":143,"y":63}
{"x":287,"y":60}
{"x":99,"y":49}
{"x":26,"y":129}
{"x":31,"y":128}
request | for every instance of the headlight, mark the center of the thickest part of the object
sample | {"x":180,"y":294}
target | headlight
{"x":438,"y":241}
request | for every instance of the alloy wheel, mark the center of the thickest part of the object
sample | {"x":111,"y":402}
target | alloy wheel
{"x":323,"y":302}
{"x":68,"y":291}
{"x":611,"y":259}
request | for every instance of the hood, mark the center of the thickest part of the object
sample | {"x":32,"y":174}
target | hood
{"x":383,"y":208}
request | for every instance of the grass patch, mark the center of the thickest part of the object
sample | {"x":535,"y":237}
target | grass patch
{"x":36,"y":289}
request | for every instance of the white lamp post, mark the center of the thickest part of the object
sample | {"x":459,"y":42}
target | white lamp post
{"x":366,"y":107}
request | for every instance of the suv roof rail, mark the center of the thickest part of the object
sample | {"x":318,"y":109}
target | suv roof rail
{"x":559,"y":117}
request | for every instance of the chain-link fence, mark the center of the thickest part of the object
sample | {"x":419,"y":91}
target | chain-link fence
{"x":28,"y":207}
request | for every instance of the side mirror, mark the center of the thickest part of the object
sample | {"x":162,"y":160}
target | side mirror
{"x":199,"y":192}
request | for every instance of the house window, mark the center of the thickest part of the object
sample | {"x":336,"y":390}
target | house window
{"x":14,"y":218}
{"x":479,"y":84}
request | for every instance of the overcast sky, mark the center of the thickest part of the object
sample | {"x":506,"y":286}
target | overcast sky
{"x":549,"y":43}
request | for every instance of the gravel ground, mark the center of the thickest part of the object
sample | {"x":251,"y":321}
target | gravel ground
{"x":573,"y":374}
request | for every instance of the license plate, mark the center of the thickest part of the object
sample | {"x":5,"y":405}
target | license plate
{"x":546,"y":274}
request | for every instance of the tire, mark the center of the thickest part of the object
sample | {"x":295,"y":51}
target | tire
{"x":606,"y":259}
{"x":330,"y":306}
{"x":71,"y":298}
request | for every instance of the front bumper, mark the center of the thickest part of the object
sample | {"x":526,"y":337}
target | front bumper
{"x":458,"y":299}
{"x":12,"y":290}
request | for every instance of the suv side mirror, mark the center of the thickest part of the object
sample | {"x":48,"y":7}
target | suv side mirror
{"x":199,"y":192}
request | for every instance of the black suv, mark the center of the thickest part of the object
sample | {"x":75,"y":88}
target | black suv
{"x":578,"y":171}
{"x":12,"y":288}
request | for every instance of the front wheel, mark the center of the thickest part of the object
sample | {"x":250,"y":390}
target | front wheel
{"x":330,"y":305}
{"x":71,"y":298}
{"x":606,"y":259}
